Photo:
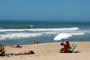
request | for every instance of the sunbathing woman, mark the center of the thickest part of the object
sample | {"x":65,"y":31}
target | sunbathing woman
{"x":66,"y":48}
{"x":25,"y":53}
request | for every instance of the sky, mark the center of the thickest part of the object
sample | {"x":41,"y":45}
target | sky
{"x":51,"y":10}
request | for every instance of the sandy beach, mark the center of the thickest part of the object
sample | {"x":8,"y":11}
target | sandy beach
{"x":49,"y":51}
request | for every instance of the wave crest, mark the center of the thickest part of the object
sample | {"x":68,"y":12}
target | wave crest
{"x":12,"y":33}
{"x":41,"y":29}
{"x":18,"y":35}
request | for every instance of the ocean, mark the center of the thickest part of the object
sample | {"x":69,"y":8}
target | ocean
{"x":25,"y":32}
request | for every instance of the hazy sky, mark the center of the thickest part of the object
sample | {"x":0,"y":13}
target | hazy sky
{"x":45,"y":10}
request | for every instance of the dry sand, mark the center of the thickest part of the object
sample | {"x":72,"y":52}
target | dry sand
{"x":49,"y":51}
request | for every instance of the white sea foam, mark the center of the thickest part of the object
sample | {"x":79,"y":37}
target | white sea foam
{"x":30,"y":35}
{"x":79,"y":33}
{"x":41,"y":29}
{"x":12,"y":33}
{"x":18,"y":35}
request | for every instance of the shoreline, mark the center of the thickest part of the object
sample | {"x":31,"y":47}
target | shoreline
{"x":44,"y":43}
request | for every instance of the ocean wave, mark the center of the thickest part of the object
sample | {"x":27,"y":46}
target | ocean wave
{"x":21,"y":33}
{"x":32,"y":35}
{"x":18,"y":35}
{"x":24,"y":26}
{"x":40,"y":29}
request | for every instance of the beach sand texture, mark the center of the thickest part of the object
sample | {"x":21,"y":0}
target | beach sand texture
{"x":49,"y":51}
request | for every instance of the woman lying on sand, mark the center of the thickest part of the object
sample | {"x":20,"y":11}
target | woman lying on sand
{"x":25,"y":53}
{"x":17,"y":46}
{"x":21,"y":53}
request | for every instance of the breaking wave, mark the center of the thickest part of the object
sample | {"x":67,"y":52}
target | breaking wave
{"x":18,"y":35}
{"x":31,"y":35}
{"x":41,"y":29}
{"x":12,"y":33}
